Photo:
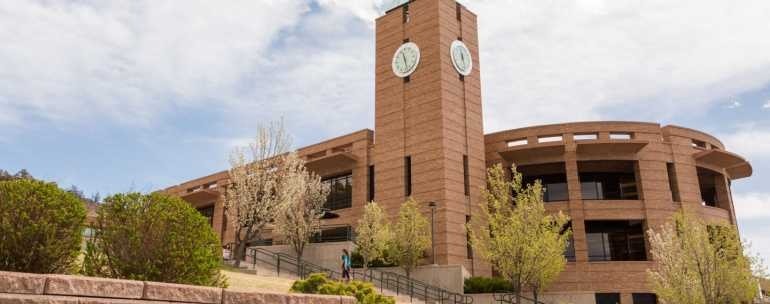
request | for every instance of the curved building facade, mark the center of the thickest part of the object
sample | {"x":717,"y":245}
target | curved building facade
{"x":615,"y":179}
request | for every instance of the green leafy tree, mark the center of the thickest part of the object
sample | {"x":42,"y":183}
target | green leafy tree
{"x":153,"y":237}
{"x":372,"y":234}
{"x":517,"y":236}
{"x":41,"y":227}
{"x":698,"y":263}
{"x":413,"y":231}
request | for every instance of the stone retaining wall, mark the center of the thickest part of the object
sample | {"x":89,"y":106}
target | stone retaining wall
{"x":27,"y":288}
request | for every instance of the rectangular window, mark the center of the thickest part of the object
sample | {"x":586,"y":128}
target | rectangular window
{"x":615,"y":240}
{"x":607,"y":298}
{"x":405,"y":15}
{"x":620,"y":136}
{"x":707,"y":182}
{"x":552,"y":176}
{"x":408,"y":176}
{"x":547,"y":139}
{"x":608,"y":180}
{"x":645,"y":298}
{"x":569,"y":251}
{"x":466,"y":177}
{"x":698,"y":144}
{"x":458,"y":11}
{"x":585,"y":136}
{"x":468,"y":246}
{"x":340,"y":191}
{"x":208,"y":213}
{"x":672,"y":182}
{"x":608,"y":186}
{"x":371,"y":184}
{"x":332,"y":234}
{"x":517,"y":142}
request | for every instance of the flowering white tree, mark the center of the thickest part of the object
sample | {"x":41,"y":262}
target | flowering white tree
{"x":372,"y":234}
{"x":302,"y":201}
{"x":700,"y":263}
{"x":256,"y":186}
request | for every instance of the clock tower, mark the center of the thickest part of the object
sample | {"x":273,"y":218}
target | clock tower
{"x":429,"y":140}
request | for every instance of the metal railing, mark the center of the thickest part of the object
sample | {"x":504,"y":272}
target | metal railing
{"x":510,"y":298}
{"x":397,"y":283}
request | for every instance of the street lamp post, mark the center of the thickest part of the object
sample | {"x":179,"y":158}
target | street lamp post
{"x":432,"y":206}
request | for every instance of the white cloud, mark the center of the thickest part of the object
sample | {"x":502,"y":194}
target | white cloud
{"x":129,"y":60}
{"x":580,"y":59}
{"x":749,"y":141}
{"x":766,"y":105}
{"x":542,"y":61}
{"x":752,"y":205}
{"x":734,"y":104}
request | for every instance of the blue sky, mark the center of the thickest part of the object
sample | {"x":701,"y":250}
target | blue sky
{"x":138,"y":95}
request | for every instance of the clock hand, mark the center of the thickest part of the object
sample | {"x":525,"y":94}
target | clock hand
{"x":404,"y":58}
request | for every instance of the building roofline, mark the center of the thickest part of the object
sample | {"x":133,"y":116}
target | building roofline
{"x":587,"y":122}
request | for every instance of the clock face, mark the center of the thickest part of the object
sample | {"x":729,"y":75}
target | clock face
{"x":405,"y":59}
{"x":461,"y":57}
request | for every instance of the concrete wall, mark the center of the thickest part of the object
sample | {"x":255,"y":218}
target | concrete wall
{"x":27,"y":288}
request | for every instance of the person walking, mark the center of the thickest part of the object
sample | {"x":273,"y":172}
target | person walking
{"x":345,"y":265}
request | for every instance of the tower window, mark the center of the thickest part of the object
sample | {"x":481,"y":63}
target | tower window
{"x":371,"y":183}
{"x":405,"y":14}
{"x":672,"y":182}
{"x":408,"y":175}
{"x":466,"y":177}
{"x":459,"y":12}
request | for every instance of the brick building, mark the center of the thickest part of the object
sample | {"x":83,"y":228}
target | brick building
{"x":615,"y":179}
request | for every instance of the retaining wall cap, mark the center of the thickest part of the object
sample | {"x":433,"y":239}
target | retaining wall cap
{"x":14,"y":282}
{"x":182,"y":293}
{"x":6,"y":298}
{"x":241,"y":297}
{"x":93,"y":287}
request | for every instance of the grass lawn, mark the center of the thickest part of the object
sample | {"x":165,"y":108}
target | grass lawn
{"x":242,"y":281}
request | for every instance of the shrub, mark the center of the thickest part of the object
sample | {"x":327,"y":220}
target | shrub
{"x":41,"y":226}
{"x":486,"y":285}
{"x":357,"y":261}
{"x":364,"y":292}
{"x":153,"y":237}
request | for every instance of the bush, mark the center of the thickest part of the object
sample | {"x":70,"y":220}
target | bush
{"x":41,"y":226}
{"x":364,"y":292}
{"x":357,"y":261}
{"x":486,"y":285}
{"x":153,"y":237}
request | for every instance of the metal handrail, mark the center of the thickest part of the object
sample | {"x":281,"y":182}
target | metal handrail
{"x":510,"y":298}
{"x":398,"y":283}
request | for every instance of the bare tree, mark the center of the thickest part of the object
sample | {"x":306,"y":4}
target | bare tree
{"x":256,"y":184}
{"x":301,"y":205}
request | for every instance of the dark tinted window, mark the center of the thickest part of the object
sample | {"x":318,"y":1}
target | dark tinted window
{"x":608,"y":186}
{"x":615,"y":241}
{"x":333,"y":234}
{"x":340,"y":192}
{"x":208,"y":212}
{"x":408,"y":175}
{"x":552,"y":176}
{"x":607,"y":298}
{"x":645,"y":298}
